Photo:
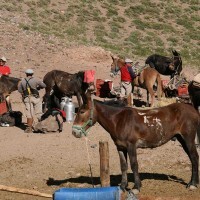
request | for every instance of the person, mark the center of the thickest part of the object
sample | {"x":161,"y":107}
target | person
{"x":4,"y":70}
{"x":29,"y":88}
{"x":127,"y":77}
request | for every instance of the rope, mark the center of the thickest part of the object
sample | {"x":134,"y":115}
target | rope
{"x":89,"y":162}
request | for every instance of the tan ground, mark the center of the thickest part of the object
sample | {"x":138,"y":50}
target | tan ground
{"x":47,"y":162}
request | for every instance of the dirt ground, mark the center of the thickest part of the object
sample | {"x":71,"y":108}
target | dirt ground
{"x":47,"y":162}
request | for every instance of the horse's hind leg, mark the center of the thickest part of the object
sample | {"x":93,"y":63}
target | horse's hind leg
{"x":150,"y":90}
{"x":189,"y":146}
{"x":134,"y":166}
{"x":124,"y":168}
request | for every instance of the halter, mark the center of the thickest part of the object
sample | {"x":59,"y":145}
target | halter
{"x":89,"y":122}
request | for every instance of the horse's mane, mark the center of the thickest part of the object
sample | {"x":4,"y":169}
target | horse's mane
{"x":10,"y":78}
{"x":80,"y":75}
{"x":112,"y":104}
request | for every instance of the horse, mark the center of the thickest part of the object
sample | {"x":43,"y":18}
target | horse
{"x":132,"y":128}
{"x":7,"y":86}
{"x":146,"y":79}
{"x":194,"y":91}
{"x":166,"y":65}
{"x":60,"y":84}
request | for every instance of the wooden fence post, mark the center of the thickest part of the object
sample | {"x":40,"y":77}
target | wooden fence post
{"x":104,"y":164}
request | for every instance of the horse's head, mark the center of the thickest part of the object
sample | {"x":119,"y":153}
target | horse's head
{"x":116,"y":65}
{"x":177,"y":62}
{"x":84,"y":118}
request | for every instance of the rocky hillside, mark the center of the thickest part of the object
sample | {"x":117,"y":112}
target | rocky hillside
{"x":40,"y":32}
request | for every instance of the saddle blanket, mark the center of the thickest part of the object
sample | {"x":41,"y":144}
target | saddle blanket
{"x":89,"y":76}
{"x":196,"y":80}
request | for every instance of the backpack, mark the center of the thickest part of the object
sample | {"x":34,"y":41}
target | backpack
{"x":12,"y":118}
{"x":51,"y":121}
{"x":29,"y":90}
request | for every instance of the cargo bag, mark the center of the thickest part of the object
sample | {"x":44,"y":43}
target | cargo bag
{"x":51,"y":121}
{"x":12,"y":118}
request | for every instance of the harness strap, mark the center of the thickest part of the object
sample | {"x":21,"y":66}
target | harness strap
{"x":88,"y":122}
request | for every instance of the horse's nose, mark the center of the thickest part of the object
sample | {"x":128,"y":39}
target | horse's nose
{"x":76,"y":133}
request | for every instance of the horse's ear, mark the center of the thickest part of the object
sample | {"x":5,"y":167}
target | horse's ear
{"x":113,"y":57}
{"x":175,"y":53}
{"x":89,"y":98}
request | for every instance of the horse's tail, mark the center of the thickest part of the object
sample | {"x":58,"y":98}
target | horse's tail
{"x":159,"y":86}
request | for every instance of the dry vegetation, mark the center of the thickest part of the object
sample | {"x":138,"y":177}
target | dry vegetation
{"x":127,"y":27}
{"x":78,"y":35}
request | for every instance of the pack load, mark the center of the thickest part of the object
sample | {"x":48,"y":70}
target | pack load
{"x":51,"y":121}
{"x":12,"y":118}
{"x":196,"y":81}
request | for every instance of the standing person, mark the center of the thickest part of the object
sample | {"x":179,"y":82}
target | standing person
{"x":4,"y":70}
{"x":28,"y":88}
{"x":127,"y":77}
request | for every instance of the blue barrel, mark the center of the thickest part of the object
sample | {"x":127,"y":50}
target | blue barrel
{"x":102,"y":193}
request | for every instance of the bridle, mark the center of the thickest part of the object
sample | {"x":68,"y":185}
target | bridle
{"x":82,"y":128}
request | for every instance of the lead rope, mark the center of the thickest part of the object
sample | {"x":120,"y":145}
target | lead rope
{"x":89,"y":162}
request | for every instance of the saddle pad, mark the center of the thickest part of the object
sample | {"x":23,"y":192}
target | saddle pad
{"x":196,"y":84}
{"x":197,"y":78}
{"x":3,"y":108}
{"x":89,"y":76}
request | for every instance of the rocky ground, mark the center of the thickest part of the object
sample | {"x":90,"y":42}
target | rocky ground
{"x":47,"y":162}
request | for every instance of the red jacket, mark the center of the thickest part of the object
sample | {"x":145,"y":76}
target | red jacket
{"x":4,"y":70}
{"x":125,"y":75}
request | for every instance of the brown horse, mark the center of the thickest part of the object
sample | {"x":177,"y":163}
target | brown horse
{"x":7,"y":86}
{"x":165,"y":65}
{"x":146,"y":79}
{"x":132,"y":128}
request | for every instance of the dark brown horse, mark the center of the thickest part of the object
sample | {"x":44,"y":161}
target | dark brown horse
{"x":7,"y":86}
{"x":146,"y":79}
{"x":132,"y":128}
{"x":60,"y":84}
{"x":166,"y":65}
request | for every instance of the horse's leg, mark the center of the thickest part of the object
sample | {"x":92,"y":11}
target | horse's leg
{"x":189,"y":147}
{"x":134,"y":166}
{"x":8,"y":103}
{"x":124,"y":168}
{"x":147,"y":103}
{"x":46,"y":99}
{"x":150,"y":90}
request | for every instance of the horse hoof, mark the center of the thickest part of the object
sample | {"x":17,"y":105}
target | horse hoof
{"x":135,"y":191}
{"x":192,"y":187}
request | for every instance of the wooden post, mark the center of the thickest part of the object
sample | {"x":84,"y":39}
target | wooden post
{"x":104,"y":164}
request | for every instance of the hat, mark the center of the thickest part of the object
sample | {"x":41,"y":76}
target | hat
{"x":127,"y":60}
{"x":29,"y":71}
{"x":3,"y":58}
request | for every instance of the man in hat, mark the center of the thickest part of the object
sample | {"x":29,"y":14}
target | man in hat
{"x":28,"y":88}
{"x":4,"y":70}
{"x":127,"y":76}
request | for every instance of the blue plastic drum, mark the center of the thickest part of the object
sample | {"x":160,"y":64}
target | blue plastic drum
{"x":102,"y":193}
